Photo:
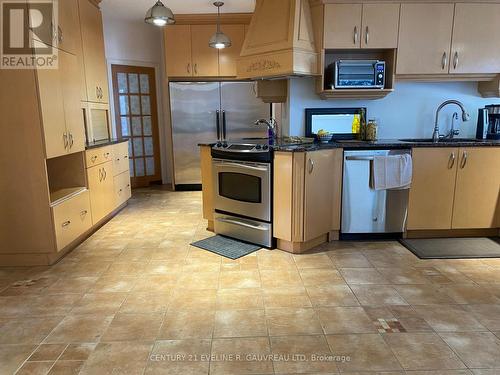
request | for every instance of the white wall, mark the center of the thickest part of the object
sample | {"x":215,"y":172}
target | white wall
{"x":133,"y":42}
{"x":406,"y":113}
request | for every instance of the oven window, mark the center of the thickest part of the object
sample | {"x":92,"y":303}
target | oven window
{"x":240,"y":187}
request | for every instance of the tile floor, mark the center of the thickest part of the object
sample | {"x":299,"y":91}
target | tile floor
{"x":137,"y":299}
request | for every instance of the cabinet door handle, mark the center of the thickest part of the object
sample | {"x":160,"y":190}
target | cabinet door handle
{"x":464,"y":160}
{"x":125,"y":157}
{"x":105,"y":173}
{"x":367,"y":35}
{"x":100,"y":174}
{"x":71,"y":142}
{"x":59,"y":34}
{"x":65,"y":224}
{"x":444,"y":61}
{"x":97,"y":92}
{"x":311,"y":166}
{"x":455,"y":60}
{"x":93,"y":158}
{"x":355,"y":35}
{"x":196,"y":68}
{"x":83,"y":213}
{"x":451,"y":161}
{"x":106,"y":155}
{"x":65,"y":140}
{"x":189,"y":68}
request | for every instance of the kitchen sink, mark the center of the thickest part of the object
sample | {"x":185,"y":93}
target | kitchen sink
{"x":429,"y":140}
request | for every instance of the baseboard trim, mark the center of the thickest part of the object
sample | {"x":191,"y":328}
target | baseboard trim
{"x":301,"y":247}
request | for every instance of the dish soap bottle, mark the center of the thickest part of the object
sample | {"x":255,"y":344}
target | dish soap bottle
{"x":356,"y":125}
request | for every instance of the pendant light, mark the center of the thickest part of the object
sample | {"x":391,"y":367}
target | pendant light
{"x":219,"y":40}
{"x":159,"y":15}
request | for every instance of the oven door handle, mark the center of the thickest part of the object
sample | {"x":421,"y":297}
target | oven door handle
{"x":236,"y":165}
{"x":241,"y":223}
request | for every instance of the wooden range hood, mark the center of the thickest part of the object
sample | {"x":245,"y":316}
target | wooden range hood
{"x":279,"y":41}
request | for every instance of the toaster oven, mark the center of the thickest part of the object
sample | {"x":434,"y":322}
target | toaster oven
{"x":357,"y":74}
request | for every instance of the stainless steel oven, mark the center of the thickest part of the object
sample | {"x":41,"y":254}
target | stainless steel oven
{"x":243,"y":188}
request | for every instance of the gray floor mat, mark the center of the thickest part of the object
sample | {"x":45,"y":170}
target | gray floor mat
{"x":227,"y":247}
{"x":453,"y":248}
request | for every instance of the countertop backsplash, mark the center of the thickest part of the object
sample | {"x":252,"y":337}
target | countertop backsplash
{"x":408,"y":112}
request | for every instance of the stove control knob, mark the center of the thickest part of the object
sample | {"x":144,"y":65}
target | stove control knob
{"x":258,"y":147}
{"x":265,"y":147}
{"x":219,"y":144}
{"x":224,"y":145}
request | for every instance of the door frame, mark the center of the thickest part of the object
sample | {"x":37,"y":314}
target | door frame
{"x":160,"y":110}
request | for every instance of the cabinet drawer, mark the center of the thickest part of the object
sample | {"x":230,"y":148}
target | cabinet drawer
{"x":71,"y":219}
{"x":122,"y":188}
{"x":99,"y":155}
{"x":120,"y":158}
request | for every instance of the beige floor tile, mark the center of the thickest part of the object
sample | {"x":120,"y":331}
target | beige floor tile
{"x":163,"y":267}
{"x":239,"y":279}
{"x":78,"y":352}
{"x":241,"y":356}
{"x":188,"y":324}
{"x":286,"y":297}
{"x":404,"y":275}
{"x":27,"y":330}
{"x":72,"y":285}
{"x":246,"y":263}
{"x":423,"y":294}
{"x":449,"y":318}
{"x":173,"y":357}
{"x":423,"y":351}
{"x":350,"y":260}
{"x":145,"y":302}
{"x":475,"y":349}
{"x":80,"y":328}
{"x":35,"y":368}
{"x":135,"y":255}
{"x":156,"y":283}
{"x":240,"y":299}
{"x":118,"y":358}
{"x":283,"y":277}
{"x":487,"y":315}
{"x":240,"y":323}
{"x":47,"y":352}
{"x":99,"y":303}
{"x":376,"y":295}
{"x":133,"y":327}
{"x":126,"y":268}
{"x":470,"y":294}
{"x":333,"y":295}
{"x":411,"y":321}
{"x":275,"y":260}
{"x":57,"y":304}
{"x":366,"y":352}
{"x":13,"y":356}
{"x":321,"y":277}
{"x":304,"y":261}
{"x":15,"y":306}
{"x":198,"y":280}
{"x":109,"y":284}
{"x":440,"y":372}
{"x":296,"y":354}
{"x":362,"y":276}
{"x":183,"y":299}
{"x":337,"y":320}
{"x":292,"y":321}
{"x":66,"y":368}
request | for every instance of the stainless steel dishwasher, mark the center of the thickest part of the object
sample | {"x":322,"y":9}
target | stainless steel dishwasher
{"x":365,"y":210}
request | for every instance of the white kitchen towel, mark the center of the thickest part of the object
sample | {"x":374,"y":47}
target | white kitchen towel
{"x":392,"y":172}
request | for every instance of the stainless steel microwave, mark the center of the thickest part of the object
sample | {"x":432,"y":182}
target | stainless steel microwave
{"x":357,"y":74}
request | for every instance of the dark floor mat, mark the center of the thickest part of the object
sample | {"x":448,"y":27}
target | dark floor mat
{"x":453,"y":248}
{"x":227,"y":247}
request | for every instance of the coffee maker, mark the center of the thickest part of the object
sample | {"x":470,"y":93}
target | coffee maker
{"x":488,"y":122}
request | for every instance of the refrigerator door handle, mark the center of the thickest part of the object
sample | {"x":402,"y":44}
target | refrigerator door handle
{"x":217,"y":124}
{"x":223,"y":125}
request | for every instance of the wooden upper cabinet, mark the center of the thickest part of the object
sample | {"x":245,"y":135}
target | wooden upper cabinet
{"x":178,"y":50}
{"x":380,"y":25}
{"x":432,"y":190}
{"x":342,"y":26}
{"x":69,"y":30}
{"x":318,"y":193}
{"x":424,"y":38}
{"x":476,"y":40}
{"x":228,"y":56}
{"x":205,"y":58}
{"x":477,"y":188}
{"x":94,"y":59}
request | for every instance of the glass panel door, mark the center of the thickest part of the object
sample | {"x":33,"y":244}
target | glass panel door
{"x":136,"y":120}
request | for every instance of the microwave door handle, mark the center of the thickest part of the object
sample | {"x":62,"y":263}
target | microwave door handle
{"x":240,"y":223}
{"x":236,"y":165}
{"x":217,"y":124}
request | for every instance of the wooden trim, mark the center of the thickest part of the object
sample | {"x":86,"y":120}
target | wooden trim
{"x":283,"y":195}
{"x":334,"y":235}
{"x":489,"y":232}
{"x":301,"y":247}
{"x":210,"y":225}
{"x":298,"y":196}
{"x":211,"y":18}
{"x":445,"y":77}
{"x":207,"y":183}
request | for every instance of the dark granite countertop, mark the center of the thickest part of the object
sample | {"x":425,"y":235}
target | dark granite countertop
{"x":381,"y":143}
{"x":105,"y":142}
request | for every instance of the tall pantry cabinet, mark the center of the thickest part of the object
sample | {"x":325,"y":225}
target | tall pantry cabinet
{"x":46,"y":203}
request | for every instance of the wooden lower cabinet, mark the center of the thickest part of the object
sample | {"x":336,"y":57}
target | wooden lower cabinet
{"x":120,"y":158}
{"x":102,"y":193}
{"x":123,"y":189}
{"x":476,"y":203}
{"x":430,"y":203}
{"x":72,"y":218}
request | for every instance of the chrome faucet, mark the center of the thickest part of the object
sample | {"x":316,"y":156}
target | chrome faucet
{"x":465,"y":117}
{"x":271,"y":125}
{"x":453,"y":132}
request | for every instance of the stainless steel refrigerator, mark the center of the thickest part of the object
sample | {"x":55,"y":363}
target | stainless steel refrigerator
{"x":207,"y":112}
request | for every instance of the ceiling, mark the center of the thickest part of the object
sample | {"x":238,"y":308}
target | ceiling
{"x":135,"y":9}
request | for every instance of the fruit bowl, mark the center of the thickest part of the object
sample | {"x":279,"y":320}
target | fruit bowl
{"x":325,"y":137}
